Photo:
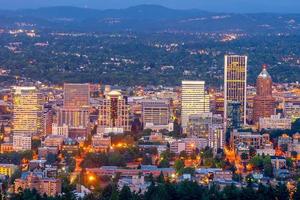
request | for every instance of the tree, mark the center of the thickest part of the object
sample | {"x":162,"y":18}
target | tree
{"x":244,"y":156}
{"x":257,"y":162}
{"x":294,"y":154}
{"x":297,"y":193}
{"x":178,"y":165}
{"x":248,"y":193}
{"x":268,"y":170}
{"x":161,"y":178}
{"x":296,"y":126}
{"x":125,"y":193}
{"x":289,"y":162}
{"x":51,"y":158}
{"x":164,"y":163}
{"x":231,"y":192}
{"x":282,"y":192}
{"x":183,"y":155}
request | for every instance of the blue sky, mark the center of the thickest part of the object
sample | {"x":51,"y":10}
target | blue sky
{"x":283,"y":6}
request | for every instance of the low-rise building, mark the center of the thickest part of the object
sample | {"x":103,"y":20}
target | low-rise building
{"x":8,"y":169}
{"x":275,"y":122}
{"x":48,"y":186}
{"x":250,"y":139}
{"x":188,"y":145}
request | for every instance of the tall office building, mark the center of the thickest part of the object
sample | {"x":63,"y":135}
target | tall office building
{"x":76,"y":95}
{"x":235,"y":85}
{"x":264,"y":102}
{"x":156,"y":114}
{"x":27,"y":116}
{"x":114,"y":113}
{"x":194,"y":100}
{"x":75,"y":111}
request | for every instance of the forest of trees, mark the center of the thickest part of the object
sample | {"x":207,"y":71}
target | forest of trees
{"x":185,"y":190}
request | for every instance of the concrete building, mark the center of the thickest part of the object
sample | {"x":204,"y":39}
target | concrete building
{"x":275,"y":122}
{"x":27,"y":116}
{"x":60,"y":130}
{"x":156,"y":114}
{"x":21,"y":142}
{"x":75,"y":110}
{"x":216,"y":138}
{"x":49,"y":186}
{"x":114,"y":112}
{"x":189,"y":145}
{"x":27,"y":111}
{"x":249,"y":139}
{"x":100,"y":143}
{"x":264,"y":102}
{"x":291,"y":109}
{"x":235,"y":85}
{"x":76,"y":95}
{"x":194,"y":100}
{"x":8,"y":169}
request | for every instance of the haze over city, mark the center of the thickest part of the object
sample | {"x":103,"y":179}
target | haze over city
{"x":281,"y":6}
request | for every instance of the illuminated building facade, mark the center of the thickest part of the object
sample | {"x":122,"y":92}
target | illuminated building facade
{"x":114,"y":112}
{"x":49,"y":186}
{"x":235,"y":84}
{"x":27,"y":111}
{"x":194,"y":100}
{"x":75,"y":111}
{"x":27,"y":116}
{"x":155,"y":113}
{"x":264,"y":103}
{"x":76,"y":95}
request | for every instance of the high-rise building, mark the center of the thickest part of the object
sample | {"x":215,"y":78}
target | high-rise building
{"x":235,"y":85}
{"x":216,"y":137}
{"x":75,"y":111}
{"x":76,"y":95}
{"x":156,"y":114}
{"x":27,"y":111}
{"x":114,"y":113}
{"x":27,"y":116}
{"x":264,"y":102}
{"x":194,"y":100}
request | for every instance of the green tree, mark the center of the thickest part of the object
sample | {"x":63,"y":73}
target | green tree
{"x":231,"y":192}
{"x":297,"y":193}
{"x":282,"y":192}
{"x":178,"y":165}
{"x":161,"y":178}
{"x":125,"y":193}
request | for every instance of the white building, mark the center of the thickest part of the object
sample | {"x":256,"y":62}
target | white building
{"x":194,"y":100}
{"x":60,"y":130}
{"x":275,"y":122}
{"x":21,"y":142}
{"x":156,"y":114}
{"x":188,"y":145}
{"x":267,"y":150}
{"x":216,"y":138}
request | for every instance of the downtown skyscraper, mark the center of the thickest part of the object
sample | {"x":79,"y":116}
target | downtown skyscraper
{"x":235,"y":89}
{"x":194,"y":100}
{"x":264,"y":102}
{"x":114,"y":113}
{"x":27,"y":116}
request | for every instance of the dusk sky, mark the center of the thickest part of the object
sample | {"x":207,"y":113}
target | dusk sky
{"x":282,"y":6}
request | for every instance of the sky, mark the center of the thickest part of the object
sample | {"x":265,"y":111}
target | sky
{"x":279,"y":6}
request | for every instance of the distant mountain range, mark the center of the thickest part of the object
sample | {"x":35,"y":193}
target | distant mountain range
{"x":151,"y":18}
